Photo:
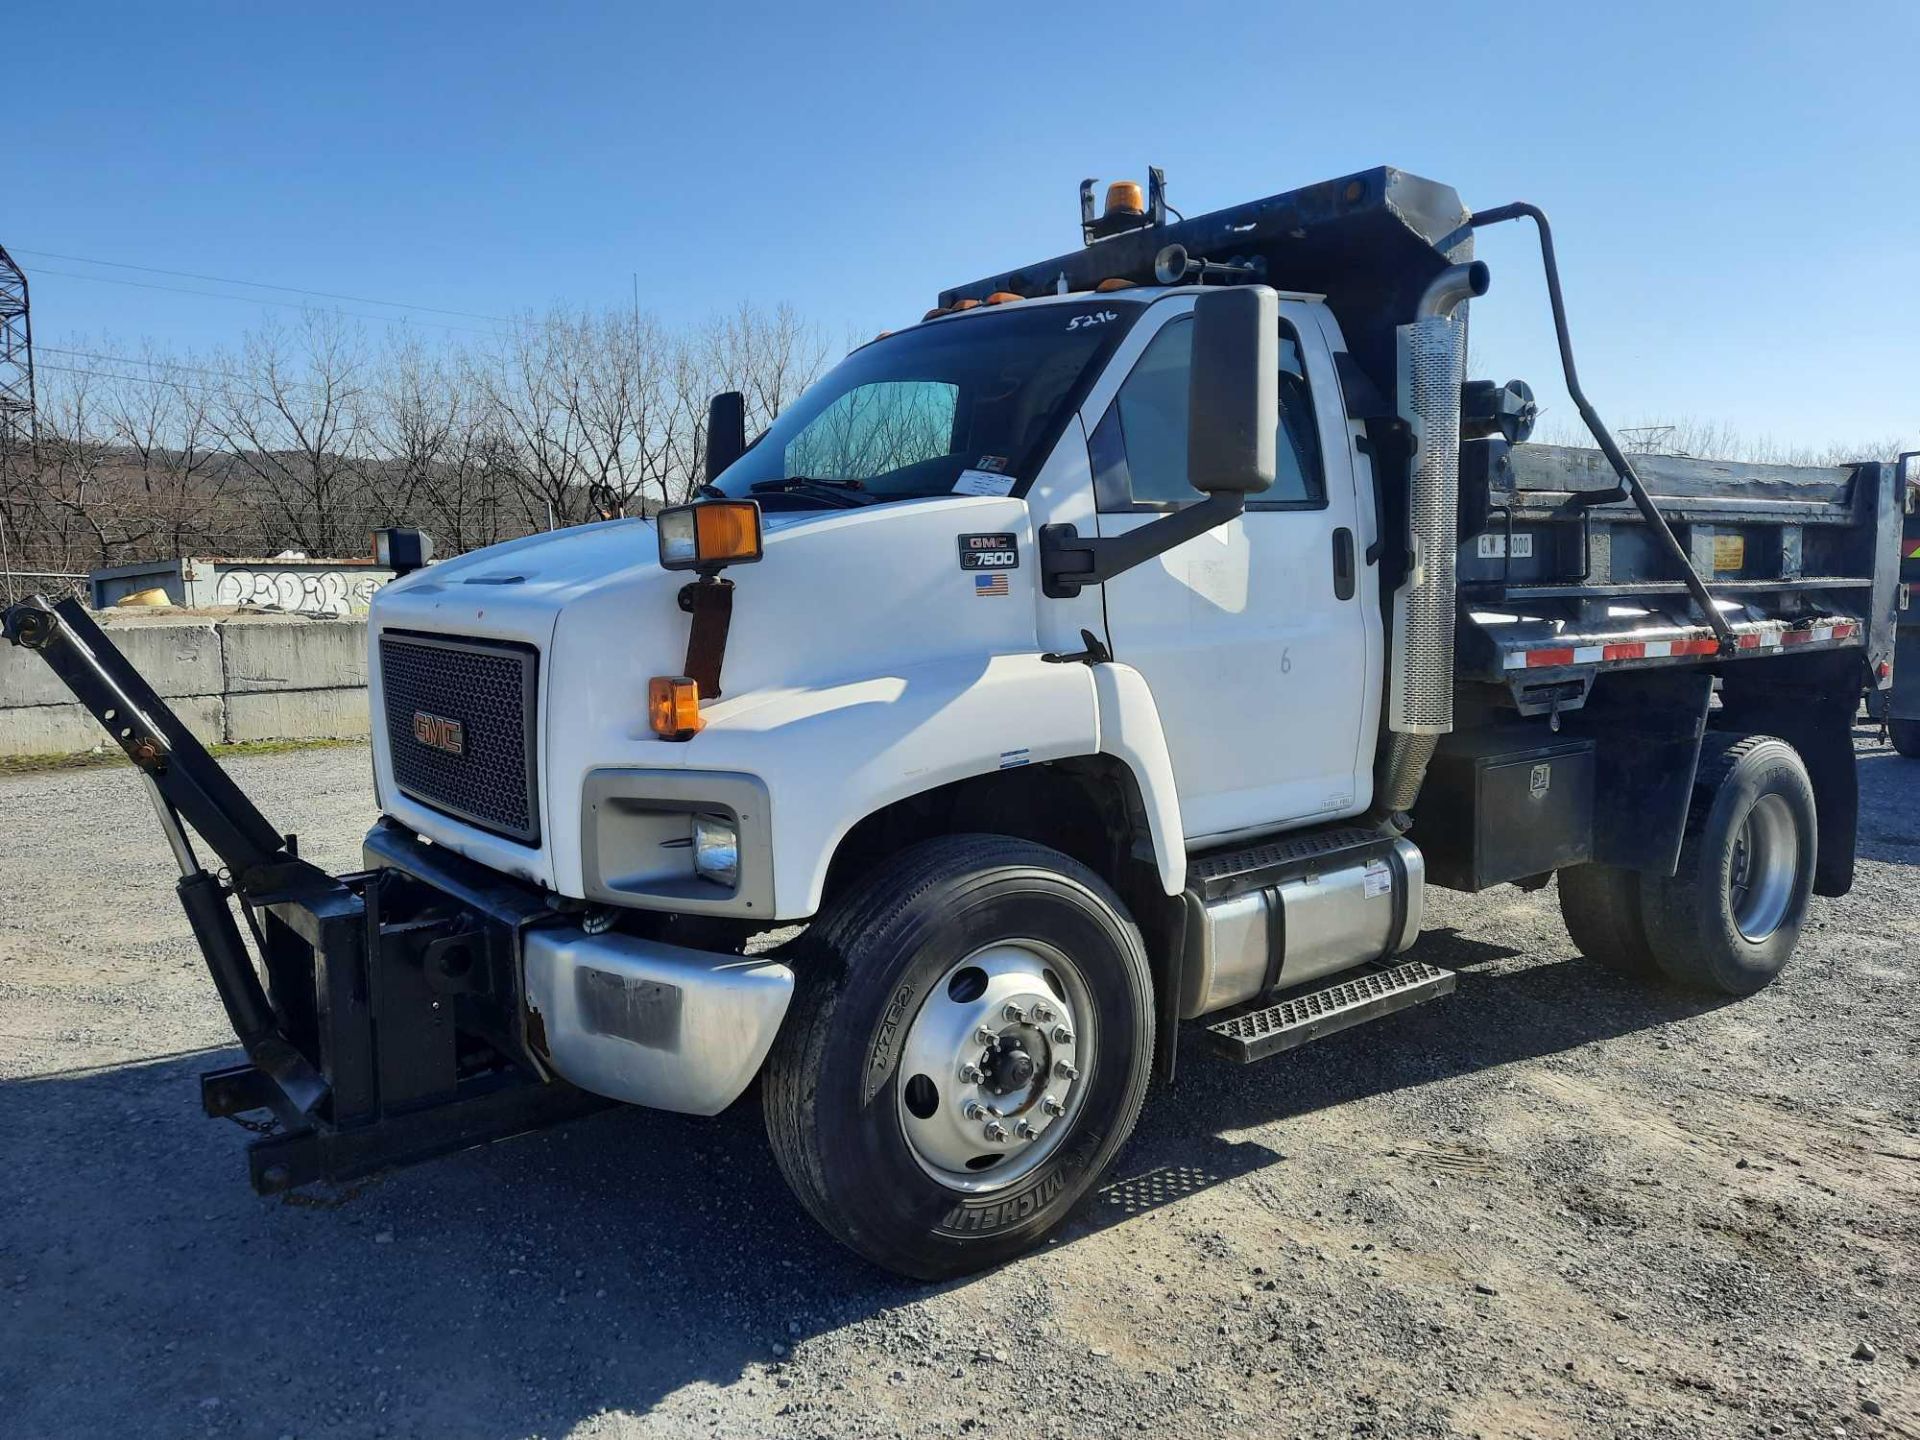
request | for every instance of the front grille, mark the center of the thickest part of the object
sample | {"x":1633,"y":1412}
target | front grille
{"x":460,"y":728}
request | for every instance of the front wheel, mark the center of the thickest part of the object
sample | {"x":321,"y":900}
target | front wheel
{"x":967,"y":1049}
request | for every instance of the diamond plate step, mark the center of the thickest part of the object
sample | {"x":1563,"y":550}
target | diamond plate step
{"x":1231,"y":871}
{"x":1260,"y":1033}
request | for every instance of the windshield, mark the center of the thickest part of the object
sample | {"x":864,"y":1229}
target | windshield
{"x":970,"y":405}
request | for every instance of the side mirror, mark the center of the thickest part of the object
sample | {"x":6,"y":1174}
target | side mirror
{"x":401,"y":549}
{"x":726,"y":431}
{"x":1233,"y":407}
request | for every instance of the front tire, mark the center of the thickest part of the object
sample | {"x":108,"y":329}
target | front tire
{"x":967,"y":1049}
{"x":1729,"y":917}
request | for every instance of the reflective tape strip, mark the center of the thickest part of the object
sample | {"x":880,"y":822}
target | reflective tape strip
{"x":1546,"y":656}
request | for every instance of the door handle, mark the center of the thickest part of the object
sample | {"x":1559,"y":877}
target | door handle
{"x":1343,"y":563}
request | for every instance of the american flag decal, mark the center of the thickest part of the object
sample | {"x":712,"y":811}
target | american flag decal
{"x":994,"y":584}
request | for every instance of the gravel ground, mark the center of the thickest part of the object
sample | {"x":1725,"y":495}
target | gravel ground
{"x":1553,"y":1205}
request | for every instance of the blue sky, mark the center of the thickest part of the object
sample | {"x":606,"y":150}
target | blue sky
{"x":1735,"y":188}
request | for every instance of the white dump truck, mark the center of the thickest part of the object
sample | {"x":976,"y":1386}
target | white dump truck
{"x":1109,"y":660}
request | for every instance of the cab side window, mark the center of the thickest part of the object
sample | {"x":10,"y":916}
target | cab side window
{"x":1139,"y":448}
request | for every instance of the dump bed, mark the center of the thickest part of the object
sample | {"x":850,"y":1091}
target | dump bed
{"x":1796,"y":557}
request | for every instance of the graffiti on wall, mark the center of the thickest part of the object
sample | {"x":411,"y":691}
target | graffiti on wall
{"x":311,"y":592}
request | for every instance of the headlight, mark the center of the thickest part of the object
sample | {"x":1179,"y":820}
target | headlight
{"x":716,"y":850}
{"x":679,"y":544}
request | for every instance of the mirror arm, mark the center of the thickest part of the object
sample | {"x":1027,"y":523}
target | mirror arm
{"x":1068,"y":562}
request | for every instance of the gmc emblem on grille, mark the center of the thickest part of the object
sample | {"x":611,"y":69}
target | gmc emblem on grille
{"x":439,"y":733}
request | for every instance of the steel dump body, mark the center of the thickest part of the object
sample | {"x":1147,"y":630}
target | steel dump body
{"x":1798,"y":558}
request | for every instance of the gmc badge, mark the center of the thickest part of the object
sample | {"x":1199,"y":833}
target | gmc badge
{"x":990,"y":552}
{"x":437,"y":732}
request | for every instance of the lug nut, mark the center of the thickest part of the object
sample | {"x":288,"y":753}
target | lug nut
{"x":1026,"y":1131}
{"x":1066,"y":1071}
{"x":973,"y":1110}
{"x":995,"y":1131}
{"x":1052,"y":1106}
{"x":1015,"y":1013}
{"x":986,"y":1036}
{"x":1062,"y":1035}
{"x":971,"y":1074}
{"x":1042,"y":1015}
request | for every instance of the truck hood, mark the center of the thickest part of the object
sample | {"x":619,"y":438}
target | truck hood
{"x":805,"y":611}
{"x":839,"y":596}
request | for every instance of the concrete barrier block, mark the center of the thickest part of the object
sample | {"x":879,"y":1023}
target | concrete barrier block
{"x":182,"y":659}
{"x":338,"y":714}
{"x":304,"y":655}
{"x":68,"y":729}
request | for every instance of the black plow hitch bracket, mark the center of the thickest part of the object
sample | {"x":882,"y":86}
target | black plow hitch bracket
{"x":388,"y":1027}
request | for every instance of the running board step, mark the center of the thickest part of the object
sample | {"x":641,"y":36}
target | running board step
{"x":1259,"y":1033}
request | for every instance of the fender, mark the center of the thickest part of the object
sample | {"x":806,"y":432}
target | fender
{"x":832,"y":755}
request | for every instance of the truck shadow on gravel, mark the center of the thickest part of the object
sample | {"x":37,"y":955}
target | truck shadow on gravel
{"x":1492,"y":1020}
{"x":1889,"y":830}
{"x":526,"y":1287}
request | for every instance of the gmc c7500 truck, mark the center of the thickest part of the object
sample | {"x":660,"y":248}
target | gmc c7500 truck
{"x":1112,"y":658}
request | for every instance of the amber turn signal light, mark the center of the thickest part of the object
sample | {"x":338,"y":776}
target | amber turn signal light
{"x":673,"y":707}
{"x":710,"y":534}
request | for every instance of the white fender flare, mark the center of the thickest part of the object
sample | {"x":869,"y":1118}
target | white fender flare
{"x":1130,"y":732}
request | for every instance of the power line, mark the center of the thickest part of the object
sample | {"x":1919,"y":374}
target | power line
{"x":148,"y":380}
{"x":260,"y":285}
{"x":138,"y":360}
{"x":255,"y":300}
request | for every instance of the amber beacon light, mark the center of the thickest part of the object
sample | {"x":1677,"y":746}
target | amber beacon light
{"x":673,"y":707}
{"x":710,"y":534}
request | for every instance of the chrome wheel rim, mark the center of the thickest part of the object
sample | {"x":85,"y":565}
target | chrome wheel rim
{"x":993,"y":1073}
{"x":1766,"y":858}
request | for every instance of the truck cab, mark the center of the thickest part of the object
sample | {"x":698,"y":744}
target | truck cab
{"x":899,"y":632}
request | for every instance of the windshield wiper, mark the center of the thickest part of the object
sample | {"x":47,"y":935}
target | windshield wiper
{"x":844,"y":493}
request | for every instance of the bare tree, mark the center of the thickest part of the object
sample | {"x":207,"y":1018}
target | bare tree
{"x":437,"y":463}
{"x":71,"y":513}
{"x":159,"y":421}
{"x":293,"y":416}
{"x":770,"y":357}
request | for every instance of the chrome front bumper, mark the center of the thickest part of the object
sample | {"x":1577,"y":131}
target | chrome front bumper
{"x":648,"y":1023}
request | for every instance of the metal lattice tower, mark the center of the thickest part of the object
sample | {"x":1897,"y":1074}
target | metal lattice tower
{"x":18,"y":432}
{"x":16,"y":358}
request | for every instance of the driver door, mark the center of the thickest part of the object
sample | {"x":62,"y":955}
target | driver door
{"x":1255,"y":637}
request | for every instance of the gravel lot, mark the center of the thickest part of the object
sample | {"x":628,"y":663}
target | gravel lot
{"x":1553,"y":1205}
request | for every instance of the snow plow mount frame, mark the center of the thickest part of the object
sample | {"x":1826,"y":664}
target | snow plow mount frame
{"x":383,"y":1023}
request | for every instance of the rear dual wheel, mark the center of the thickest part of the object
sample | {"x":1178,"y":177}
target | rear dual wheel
{"x":1905,"y":735}
{"x":1730,"y":915}
{"x":967,"y":1049}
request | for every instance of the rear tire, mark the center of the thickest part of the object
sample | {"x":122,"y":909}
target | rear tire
{"x":869,"y":1108}
{"x":1905,"y":735}
{"x":1601,"y":907}
{"x":1729,"y":918}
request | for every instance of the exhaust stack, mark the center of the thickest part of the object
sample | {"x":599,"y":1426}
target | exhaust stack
{"x":1431,"y":354}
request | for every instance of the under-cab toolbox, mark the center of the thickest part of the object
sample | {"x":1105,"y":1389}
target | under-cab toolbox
{"x":1116,"y":654}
